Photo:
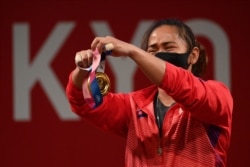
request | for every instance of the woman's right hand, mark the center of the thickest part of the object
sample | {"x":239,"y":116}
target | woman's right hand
{"x":84,"y":59}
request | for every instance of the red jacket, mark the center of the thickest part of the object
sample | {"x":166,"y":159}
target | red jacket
{"x":196,"y":130}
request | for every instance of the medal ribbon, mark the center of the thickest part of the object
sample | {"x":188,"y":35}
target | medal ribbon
{"x":90,"y":87}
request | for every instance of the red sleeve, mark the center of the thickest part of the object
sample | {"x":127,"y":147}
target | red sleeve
{"x":111,"y":115}
{"x":209,"y":101}
{"x":75,"y":97}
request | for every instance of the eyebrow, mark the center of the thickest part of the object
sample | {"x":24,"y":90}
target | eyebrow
{"x":164,"y":43}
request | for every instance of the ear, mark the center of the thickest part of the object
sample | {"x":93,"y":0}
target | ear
{"x":194,"y":55}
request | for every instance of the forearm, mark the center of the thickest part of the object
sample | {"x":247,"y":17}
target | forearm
{"x":151,"y":66}
{"x":78,"y":76}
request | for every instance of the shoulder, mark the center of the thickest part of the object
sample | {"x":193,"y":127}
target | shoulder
{"x":221,"y":90}
{"x":217,"y":85}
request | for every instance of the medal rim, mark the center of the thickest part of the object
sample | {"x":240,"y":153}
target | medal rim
{"x":106,"y":88}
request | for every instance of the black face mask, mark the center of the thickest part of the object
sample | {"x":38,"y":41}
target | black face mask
{"x":179,"y":60}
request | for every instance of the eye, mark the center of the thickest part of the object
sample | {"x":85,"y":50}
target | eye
{"x":151,"y":50}
{"x":170,"y":47}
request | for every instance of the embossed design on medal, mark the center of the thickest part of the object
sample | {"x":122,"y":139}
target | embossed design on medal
{"x":103,"y":82}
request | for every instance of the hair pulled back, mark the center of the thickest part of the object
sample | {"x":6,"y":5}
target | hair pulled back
{"x":187,"y":35}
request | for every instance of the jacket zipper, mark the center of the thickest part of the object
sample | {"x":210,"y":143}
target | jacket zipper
{"x":160,"y":128}
{"x":159,"y":150}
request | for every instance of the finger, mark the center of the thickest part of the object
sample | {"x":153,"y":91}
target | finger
{"x":85,"y":59}
{"x":89,"y":57}
{"x":99,"y":44}
{"x":78,"y":59}
{"x":94,"y":43}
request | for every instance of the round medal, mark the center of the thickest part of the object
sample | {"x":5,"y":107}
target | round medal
{"x":103,"y":82}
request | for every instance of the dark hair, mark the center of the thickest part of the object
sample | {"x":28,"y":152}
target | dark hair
{"x":185,"y":33}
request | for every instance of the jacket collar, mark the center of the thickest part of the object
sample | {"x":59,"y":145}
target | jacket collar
{"x":145,"y":96}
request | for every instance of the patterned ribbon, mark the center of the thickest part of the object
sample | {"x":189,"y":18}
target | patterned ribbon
{"x":91,"y":91}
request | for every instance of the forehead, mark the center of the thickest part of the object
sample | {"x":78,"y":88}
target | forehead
{"x":165,"y":33}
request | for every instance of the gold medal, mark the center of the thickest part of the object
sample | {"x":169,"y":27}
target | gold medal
{"x":103,"y":82}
